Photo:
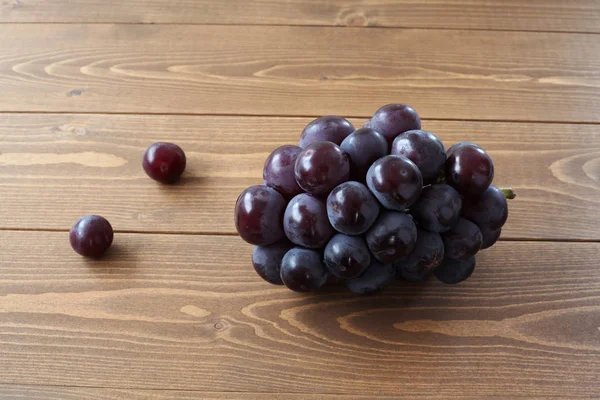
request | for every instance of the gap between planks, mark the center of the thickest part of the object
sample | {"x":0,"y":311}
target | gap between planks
{"x":229,"y":234}
{"x":510,"y":121}
{"x":422,"y":28}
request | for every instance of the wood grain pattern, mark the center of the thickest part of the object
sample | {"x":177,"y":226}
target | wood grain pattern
{"x":258,"y":70}
{"x":55,"y":168}
{"x":189,"y":313}
{"x":541,"y":15}
{"x":18,"y":392}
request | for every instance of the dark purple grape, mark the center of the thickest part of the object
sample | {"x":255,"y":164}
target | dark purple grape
{"x":91,"y":236}
{"x":395,"y":181}
{"x":393,"y":237}
{"x":364,"y":146}
{"x":305,"y":222}
{"x":330,"y":128}
{"x":394,"y":119}
{"x":164,"y":162}
{"x":352,"y":208}
{"x":267,"y":260}
{"x":438,"y":208}
{"x":320,"y":167}
{"x":459,"y":145}
{"x":374,"y":279}
{"x":347,"y":256}
{"x":469,"y":169}
{"x":489,"y":237}
{"x":490,"y":210}
{"x":302,"y":270}
{"x":455,"y":271}
{"x":367,"y":124}
{"x":259,"y":215}
{"x":425,"y":258}
{"x":462,"y":241}
{"x":278,"y":172}
{"x":424,"y":149}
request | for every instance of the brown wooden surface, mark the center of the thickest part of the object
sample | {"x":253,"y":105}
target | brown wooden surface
{"x":530,"y":15}
{"x":175,"y":310}
{"x":91,"y":164}
{"x":281,"y":70}
{"x":187,"y":313}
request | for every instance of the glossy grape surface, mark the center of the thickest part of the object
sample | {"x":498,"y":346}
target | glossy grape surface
{"x":347,"y":256}
{"x":393,"y":119}
{"x":305,"y":222}
{"x":302,"y":270}
{"x":320,"y":167}
{"x":438,"y":209}
{"x":463,"y":241}
{"x":164,"y":162}
{"x":469,"y":169}
{"x":489,"y":237}
{"x":489,"y":210}
{"x":352,"y":209}
{"x":259,"y":215}
{"x":424,"y":149}
{"x":393,"y":237}
{"x":329,"y":128}
{"x":455,"y":271}
{"x":375,"y":278}
{"x":425,"y":258}
{"x":278,"y":172}
{"x":364,"y":146}
{"x":395,"y":181}
{"x":91,"y":236}
{"x":267,"y":260}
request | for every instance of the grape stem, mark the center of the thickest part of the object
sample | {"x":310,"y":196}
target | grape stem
{"x":508,"y":193}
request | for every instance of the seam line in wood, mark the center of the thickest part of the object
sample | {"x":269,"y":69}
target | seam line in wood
{"x":424,"y":28}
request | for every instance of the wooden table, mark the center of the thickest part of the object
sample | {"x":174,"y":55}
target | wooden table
{"x":175,"y":310}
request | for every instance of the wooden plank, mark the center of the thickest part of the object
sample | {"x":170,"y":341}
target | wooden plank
{"x":188,"y":313}
{"x":15,"y":392}
{"x":541,"y":15}
{"x":278,"y":70}
{"x":56,"y":168}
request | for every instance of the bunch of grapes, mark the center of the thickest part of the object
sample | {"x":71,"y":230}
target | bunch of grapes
{"x":364,"y":207}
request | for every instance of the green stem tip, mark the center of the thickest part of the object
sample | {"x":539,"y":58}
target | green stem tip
{"x":509,"y":193}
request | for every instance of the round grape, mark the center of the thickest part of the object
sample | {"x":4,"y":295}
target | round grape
{"x":459,"y":145}
{"x":364,"y":146}
{"x":490,"y":210}
{"x":393,"y":119}
{"x":330,"y":128}
{"x":462,"y":241}
{"x":302,"y":270}
{"x":489,"y":237}
{"x":347,"y":256}
{"x":395,"y":181}
{"x":393,"y":237}
{"x":424,"y":149}
{"x":305,"y":222}
{"x":259,"y":215}
{"x":267,"y":260}
{"x":91,"y":236}
{"x":164,"y":162}
{"x":469,"y":169}
{"x":278,"y":172}
{"x":455,"y":271}
{"x":438,"y":208}
{"x":375,"y":278}
{"x":351,"y":208}
{"x":425,"y":258}
{"x":320,"y":167}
